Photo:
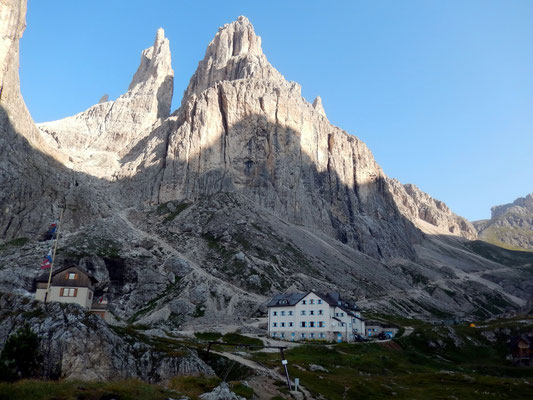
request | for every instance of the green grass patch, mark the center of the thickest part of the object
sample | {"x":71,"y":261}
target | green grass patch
{"x":242,"y":390}
{"x":241,"y":339}
{"x":152,"y":304}
{"x":193,"y":386}
{"x":35,"y":313}
{"x":76,"y":390}
{"x":87,"y":246}
{"x":508,"y":257}
{"x":179,"y":208}
{"x":208,"y":336}
{"x":199,"y":311}
{"x":167,"y":346}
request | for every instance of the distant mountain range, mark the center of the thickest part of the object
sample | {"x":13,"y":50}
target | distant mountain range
{"x":510,"y":225}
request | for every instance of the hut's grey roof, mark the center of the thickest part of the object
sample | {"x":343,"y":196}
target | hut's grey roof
{"x":44,"y":276}
{"x":333,"y":299}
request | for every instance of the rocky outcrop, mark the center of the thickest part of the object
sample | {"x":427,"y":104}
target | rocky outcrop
{"x":221,"y":392}
{"x":510,"y":225}
{"x":422,"y":209}
{"x":78,"y":345}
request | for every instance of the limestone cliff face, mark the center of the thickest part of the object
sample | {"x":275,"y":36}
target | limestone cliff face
{"x":12,"y":25}
{"x":34,"y":181}
{"x":422,"y":209}
{"x":243,"y":128}
{"x":106,"y":129}
{"x":510,"y":225}
{"x":25,"y":174}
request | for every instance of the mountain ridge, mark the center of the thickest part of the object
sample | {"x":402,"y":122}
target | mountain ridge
{"x":510,"y":225}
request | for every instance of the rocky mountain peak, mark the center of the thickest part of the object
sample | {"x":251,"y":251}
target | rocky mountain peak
{"x":234,"y":53}
{"x":317,"y":105}
{"x":114,"y":125}
{"x":155,"y":70}
{"x":235,"y":39}
{"x":155,"y":74}
{"x":525,"y":203}
{"x":510,"y":224}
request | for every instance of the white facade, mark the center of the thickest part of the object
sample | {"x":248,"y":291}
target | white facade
{"x":313,"y":318}
{"x":63,"y":294}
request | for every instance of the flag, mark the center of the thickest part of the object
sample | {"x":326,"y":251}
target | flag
{"x":51,"y":234}
{"x":47,"y":261}
{"x":46,"y":264}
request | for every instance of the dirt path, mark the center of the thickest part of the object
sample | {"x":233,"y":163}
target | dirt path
{"x":261,"y":369}
{"x":123,"y":214}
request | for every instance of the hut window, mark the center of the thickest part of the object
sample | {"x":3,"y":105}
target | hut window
{"x":68,"y":292}
{"x":71,"y":275}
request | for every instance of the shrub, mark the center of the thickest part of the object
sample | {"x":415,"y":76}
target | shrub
{"x":20,"y":356}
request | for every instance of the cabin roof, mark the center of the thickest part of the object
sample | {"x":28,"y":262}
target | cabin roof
{"x":286,"y":299}
{"x":44,"y":276}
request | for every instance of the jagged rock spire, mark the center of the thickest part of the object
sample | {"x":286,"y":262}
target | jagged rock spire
{"x":155,"y":72}
{"x":115,"y":125}
{"x":319,"y":108}
{"x":234,"y":53}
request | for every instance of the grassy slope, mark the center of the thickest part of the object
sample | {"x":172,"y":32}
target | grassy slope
{"x":424,"y":365}
{"x":497,"y":234}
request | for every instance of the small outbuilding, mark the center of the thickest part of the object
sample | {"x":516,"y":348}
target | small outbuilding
{"x":522,"y":350}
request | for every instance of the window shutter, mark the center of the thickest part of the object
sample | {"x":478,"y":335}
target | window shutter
{"x":66,"y":275}
{"x":75,"y":292}
{"x":61,"y":292}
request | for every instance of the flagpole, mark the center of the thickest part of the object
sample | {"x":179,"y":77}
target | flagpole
{"x":53,"y":257}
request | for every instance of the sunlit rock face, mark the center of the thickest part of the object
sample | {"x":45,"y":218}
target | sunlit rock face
{"x":242,"y":127}
{"x":428,"y":214}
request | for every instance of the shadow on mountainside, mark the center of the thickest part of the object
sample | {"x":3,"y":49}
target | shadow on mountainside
{"x":286,"y":184}
{"x":35,"y":187}
{"x":264,"y":161}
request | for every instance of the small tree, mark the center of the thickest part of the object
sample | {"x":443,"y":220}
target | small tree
{"x":20,"y":357}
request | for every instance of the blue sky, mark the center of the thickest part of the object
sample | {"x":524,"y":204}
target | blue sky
{"x":440,"y":91}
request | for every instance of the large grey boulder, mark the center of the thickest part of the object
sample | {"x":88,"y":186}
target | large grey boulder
{"x":79,"y":345}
